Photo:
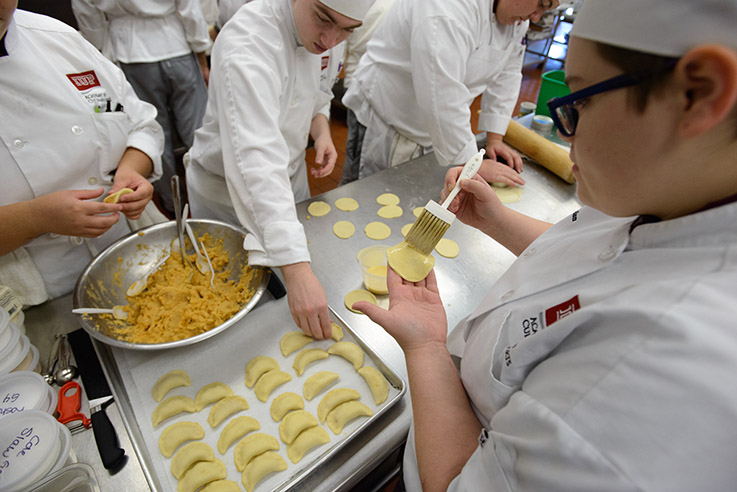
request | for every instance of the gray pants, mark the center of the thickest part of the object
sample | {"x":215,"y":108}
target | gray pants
{"x":177,"y":89}
{"x":353,"y":145}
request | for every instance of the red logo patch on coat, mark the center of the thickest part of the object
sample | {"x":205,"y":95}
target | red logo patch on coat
{"x":85,"y":80}
{"x":325,"y":60}
{"x":562,"y":310}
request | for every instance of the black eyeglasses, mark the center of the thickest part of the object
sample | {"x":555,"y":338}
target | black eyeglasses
{"x":563,"y":109}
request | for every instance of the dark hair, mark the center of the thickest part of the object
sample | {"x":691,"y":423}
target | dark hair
{"x":652,"y":70}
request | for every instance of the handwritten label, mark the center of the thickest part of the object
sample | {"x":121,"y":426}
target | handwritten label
{"x":23,"y":443}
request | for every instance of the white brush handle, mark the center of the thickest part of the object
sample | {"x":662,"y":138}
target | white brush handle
{"x":468,"y":172}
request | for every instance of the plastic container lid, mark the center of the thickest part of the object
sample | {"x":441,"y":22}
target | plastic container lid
{"x":31,"y":444}
{"x":77,"y":477}
{"x":12,"y":360}
{"x":26,"y":390}
{"x":30,"y":362}
{"x":10,"y":351}
{"x":5,"y":332}
{"x":19,"y":320}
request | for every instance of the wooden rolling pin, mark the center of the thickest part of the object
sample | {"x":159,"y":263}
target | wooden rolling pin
{"x":541,"y":150}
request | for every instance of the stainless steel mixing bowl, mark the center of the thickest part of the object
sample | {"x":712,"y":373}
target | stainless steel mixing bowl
{"x":105,"y":280}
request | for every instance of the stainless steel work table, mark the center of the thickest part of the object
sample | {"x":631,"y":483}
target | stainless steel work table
{"x":462,"y":281}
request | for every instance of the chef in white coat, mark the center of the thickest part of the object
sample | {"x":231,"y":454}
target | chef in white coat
{"x":422,"y":70}
{"x":73,"y":131}
{"x":605,"y":357}
{"x":273,"y":68}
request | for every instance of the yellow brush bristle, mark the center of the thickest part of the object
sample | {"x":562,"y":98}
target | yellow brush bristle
{"x":425,"y":233}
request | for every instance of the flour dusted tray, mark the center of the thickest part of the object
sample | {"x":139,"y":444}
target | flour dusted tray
{"x":223,"y":358}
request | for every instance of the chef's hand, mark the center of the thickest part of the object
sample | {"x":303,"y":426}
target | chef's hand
{"x":72,"y":213}
{"x":495,"y":147}
{"x":307,"y":300}
{"x":132,"y":170}
{"x":476,"y":204}
{"x":204,"y":67}
{"x":325,"y":157}
{"x":415,"y":317}
{"x":496,"y":172}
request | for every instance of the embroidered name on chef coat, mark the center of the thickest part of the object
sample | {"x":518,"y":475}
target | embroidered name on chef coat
{"x":88,"y":84}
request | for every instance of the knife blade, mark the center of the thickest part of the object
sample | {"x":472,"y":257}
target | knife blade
{"x":99,"y":396}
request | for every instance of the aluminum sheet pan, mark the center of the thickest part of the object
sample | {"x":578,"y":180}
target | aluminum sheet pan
{"x":223,"y":358}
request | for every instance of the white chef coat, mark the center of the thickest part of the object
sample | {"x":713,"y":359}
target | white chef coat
{"x":355,"y":45}
{"x":143,"y":31}
{"x":53,"y":140}
{"x":605,"y":360}
{"x":264,"y":91}
{"x":426,"y":64}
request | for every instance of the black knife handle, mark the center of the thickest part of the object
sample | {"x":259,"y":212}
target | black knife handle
{"x":107,"y":440}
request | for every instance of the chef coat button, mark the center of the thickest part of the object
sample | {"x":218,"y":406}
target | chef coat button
{"x":529,"y":252}
{"x":608,"y":254}
{"x":77,"y":130}
{"x":18,"y":143}
{"x":507,"y":296}
{"x":76,"y":240}
{"x":294,"y":102}
{"x":92,"y":181}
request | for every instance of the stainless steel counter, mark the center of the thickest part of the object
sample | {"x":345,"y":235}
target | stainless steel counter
{"x":463,"y":282}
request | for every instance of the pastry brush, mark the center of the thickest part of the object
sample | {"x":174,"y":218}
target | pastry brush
{"x":435,"y":219}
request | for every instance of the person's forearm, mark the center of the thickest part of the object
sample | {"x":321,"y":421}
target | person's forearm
{"x":446,"y":428}
{"x":19,"y":225}
{"x":319,"y":127}
{"x":134,"y":160}
{"x":514,"y":230}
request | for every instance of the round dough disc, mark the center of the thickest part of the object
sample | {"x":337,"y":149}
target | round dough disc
{"x":406,"y":228}
{"x":387,"y":199}
{"x":506,"y":193}
{"x":358,"y":295}
{"x":417,"y":211}
{"x":377,"y":230}
{"x":448,"y":248}
{"x":343,"y":229}
{"x":390,"y":212}
{"x":346,"y":204}
{"x":318,"y":209}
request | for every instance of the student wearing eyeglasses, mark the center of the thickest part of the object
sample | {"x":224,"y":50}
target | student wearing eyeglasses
{"x":605,"y":357}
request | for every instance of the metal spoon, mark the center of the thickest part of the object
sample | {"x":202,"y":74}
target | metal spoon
{"x":65,"y":370}
{"x":47,"y":372}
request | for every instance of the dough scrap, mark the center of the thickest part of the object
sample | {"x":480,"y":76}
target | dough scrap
{"x":225,"y":408}
{"x":252,"y":446}
{"x":346,"y":204}
{"x":377,"y":230}
{"x":268,"y":382}
{"x":294,"y":423}
{"x":344,"y":229}
{"x":211,"y":393}
{"x":310,"y":438}
{"x":387,"y":199}
{"x":318,"y":382}
{"x":176,"y":434}
{"x":377,"y":383}
{"x":285,"y":403}
{"x":170,"y":407}
{"x":336,"y":332}
{"x":257,"y":367}
{"x":448,"y":248}
{"x":333,"y":398}
{"x":189,"y":455}
{"x":358,"y":295}
{"x":169,"y":381}
{"x":506,"y":193}
{"x":261,"y":466}
{"x":390,"y":212}
{"x":406,"y":228}
{"x":349,"y":351}
{"x":318,"y":208}
{"x":345,"y":412}
{"x":221,"y":486}
{"x":234,"y":430}
{"x":115,"y":197}
{"x":306,"y":357}
{"x":409,"y":262}
{"x":417,"y":211}
{"x":292,"y":341}
{"x":201,"y":473}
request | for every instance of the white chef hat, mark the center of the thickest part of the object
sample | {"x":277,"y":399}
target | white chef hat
{"x":659,"y":27}
{"x":355,"y":9}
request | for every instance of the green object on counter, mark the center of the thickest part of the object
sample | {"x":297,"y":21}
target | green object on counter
{"x":553,"y":85}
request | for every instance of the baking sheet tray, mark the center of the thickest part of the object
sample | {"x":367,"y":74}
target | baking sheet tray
{"x":223,"y":358}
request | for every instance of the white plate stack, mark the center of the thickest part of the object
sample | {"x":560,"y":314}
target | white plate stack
{"x":17,"y":353}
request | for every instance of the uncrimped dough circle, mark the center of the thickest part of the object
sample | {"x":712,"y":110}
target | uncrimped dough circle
{"x":390,"y":212}
{"x":417,"y":211}
{"x":387,"y":199}
{"x":406,"y":228}
{"x":346,"y":204}
{"x":447,"y":247}
{"x":377,"y":230}
{"x":344,"y":229}
{"x":358,"y":295}
{"x":318,"y":208}
{"x":506,"y":193}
